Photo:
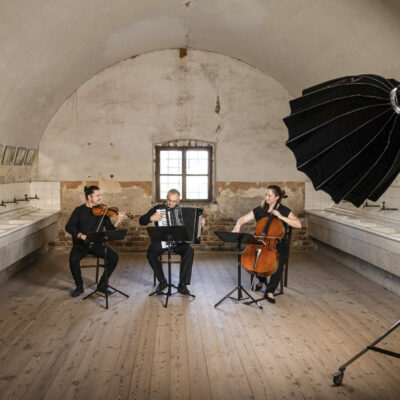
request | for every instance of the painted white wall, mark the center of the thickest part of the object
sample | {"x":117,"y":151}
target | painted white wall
{"x":109,"y":125}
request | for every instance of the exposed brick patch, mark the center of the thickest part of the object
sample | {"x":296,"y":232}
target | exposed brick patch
{"x":136,"y":197}
{"x":146,"y":186}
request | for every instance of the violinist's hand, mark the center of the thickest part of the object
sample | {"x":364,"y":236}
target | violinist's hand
{"x":120,"y":218}
{"x":156,"y":217}
{"x":236,"y":229}
{"x":203,"y":222}
{"x":277,"y":214}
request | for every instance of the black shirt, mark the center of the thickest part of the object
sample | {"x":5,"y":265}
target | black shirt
{"x":145,"y":218}
{"x":259,"y":213}
{"x":83,"y":221}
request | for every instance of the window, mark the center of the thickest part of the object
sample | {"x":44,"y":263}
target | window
{"x":186,"y":168}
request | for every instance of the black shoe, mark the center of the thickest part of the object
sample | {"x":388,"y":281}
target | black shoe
{"x":271,"y":300}
{"x":103,"y":289}
{"x":182,"y":289}
{"x":161,"y":286}
{"x":78,"y":291}
{"x":258,"y":288}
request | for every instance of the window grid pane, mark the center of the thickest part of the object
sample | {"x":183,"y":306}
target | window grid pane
{"x":168,"y":182}
{"x":197,"y":162}
{"x":197,"y":187}
{"x":170,"y":162}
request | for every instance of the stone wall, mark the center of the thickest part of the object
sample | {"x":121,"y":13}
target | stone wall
{"x":233,"y":200}
{"x":106,"y":130}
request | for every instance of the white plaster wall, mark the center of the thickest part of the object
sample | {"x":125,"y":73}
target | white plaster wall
{"x":319,"y":200}
{"x":107,"y":127}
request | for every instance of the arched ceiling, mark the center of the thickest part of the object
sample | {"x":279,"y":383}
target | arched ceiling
{"x":49,"y":48}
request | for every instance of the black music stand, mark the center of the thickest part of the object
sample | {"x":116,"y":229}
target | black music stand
{"x":168,"y":234}
{"x":238,"y":238}
{"x":101,"y":238}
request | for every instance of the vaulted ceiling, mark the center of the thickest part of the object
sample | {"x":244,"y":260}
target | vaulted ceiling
{"x":49,"y":48}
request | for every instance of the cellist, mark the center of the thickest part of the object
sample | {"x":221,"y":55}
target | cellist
{"x":272,"y":205}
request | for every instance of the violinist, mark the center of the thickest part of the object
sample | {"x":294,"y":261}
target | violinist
{"x":81,"y":222}
{"x":272,"y":205}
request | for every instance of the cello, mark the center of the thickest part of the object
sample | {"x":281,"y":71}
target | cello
{"x":263,"y":260}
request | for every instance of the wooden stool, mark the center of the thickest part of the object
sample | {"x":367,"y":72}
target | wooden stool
{"x":285,"y":272}
{"x":165,"y":261}
{"x":97,"y":265}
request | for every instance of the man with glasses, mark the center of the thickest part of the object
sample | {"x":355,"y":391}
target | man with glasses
{"x":156,"y":249}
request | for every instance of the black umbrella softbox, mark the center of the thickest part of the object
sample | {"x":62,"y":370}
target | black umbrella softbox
{"x":345,"y":135}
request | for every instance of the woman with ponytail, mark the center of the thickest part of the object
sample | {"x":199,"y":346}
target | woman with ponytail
{"x":273,"y":197}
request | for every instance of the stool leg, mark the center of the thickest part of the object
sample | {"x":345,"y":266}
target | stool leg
{"x":286,"y":270}
{"x":97,"y":269}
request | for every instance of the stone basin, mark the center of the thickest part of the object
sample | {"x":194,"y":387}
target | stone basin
{"x":31,"y":217}
{"x":385,"y":229}
{"x":39,"y":214}
{"x":366,"y":224}
{"x":7,"y":227}
{"x":16,"y":221}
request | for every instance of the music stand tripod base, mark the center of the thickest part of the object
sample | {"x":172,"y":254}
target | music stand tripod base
{"x":238,"y":238}
{"x":168,"y":234}
{"x":102,"y":237}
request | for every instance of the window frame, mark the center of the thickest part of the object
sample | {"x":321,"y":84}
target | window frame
{"x":184,"y":149}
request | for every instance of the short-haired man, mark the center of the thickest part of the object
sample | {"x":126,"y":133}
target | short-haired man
{"x":155,"y":249}
{"x":81,"y":222}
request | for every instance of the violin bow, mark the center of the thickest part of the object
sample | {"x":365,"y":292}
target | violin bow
{"x":102,"y":218}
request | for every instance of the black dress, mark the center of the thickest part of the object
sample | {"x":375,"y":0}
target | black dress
{"x":282,"y":247}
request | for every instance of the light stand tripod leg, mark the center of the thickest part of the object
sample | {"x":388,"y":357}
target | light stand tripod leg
{"x":338,"y":376}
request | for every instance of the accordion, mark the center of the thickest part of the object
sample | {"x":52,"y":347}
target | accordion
{"x":183,"y":216}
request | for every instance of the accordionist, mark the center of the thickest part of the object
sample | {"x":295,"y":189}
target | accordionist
{"x":160,"y":214}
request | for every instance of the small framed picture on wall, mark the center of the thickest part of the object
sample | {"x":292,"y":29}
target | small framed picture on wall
{"x":21,"y":154}
{"x":8,"y":156}
{"x":1,"y":152}
{"x":30,"y":157}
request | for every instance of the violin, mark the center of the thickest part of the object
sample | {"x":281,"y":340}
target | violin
{"x":263,"y":260}
{"x":102,"y":209}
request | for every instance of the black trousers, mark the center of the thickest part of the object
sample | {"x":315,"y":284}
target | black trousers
{"x":276,"y":277}
{"x":184,"y":250}
{"x":79,"y":251}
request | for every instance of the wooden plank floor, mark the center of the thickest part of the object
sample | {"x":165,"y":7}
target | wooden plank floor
{"x":55,"y":347}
